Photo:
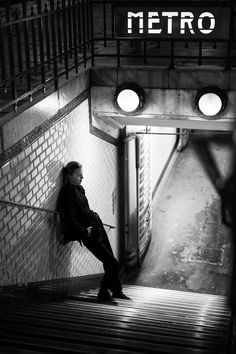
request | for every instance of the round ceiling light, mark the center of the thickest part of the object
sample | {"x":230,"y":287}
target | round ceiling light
{"x":129,"y":98}
{"x":210,"y":101}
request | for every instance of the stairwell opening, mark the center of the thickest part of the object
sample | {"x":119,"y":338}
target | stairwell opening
{"x":190,"y":248}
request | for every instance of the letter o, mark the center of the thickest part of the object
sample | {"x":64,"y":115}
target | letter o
{"x":212,"y":22}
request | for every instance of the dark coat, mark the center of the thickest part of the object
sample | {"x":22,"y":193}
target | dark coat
{"x":77,"y":215}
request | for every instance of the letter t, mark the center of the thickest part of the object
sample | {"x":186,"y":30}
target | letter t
{"x":169,"y":16}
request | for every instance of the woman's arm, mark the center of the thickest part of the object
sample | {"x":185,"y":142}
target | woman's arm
{"x":70,"y":214}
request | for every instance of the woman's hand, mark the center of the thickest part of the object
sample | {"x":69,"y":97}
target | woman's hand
{"x":89,"y":231}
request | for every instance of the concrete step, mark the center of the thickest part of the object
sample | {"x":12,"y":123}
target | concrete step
{"x":153,"y":321}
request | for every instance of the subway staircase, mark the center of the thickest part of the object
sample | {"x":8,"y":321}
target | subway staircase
{"x":153,"y":321}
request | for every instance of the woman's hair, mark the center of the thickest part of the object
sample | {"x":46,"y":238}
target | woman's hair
{"x":69,"y":169}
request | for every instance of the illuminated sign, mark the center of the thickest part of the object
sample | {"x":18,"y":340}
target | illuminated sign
{"x":172,"y":22}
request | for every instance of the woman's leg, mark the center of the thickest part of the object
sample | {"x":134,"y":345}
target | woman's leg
{"x":104,"y":253}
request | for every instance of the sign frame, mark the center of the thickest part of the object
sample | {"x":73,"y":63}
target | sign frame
{"x":196,"y":7}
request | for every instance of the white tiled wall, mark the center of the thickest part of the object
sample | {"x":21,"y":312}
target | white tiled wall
{"x":30,"y":249}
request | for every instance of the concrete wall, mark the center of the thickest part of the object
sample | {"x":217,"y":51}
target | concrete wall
{"x":170,"y":96}
{"x":16,"y":126}
{"x":161,"y":147}
{"x":159,"y":77}
{"x":30,"y":244}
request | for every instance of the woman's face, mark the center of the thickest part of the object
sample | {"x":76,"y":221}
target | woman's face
{"x":77,"y":176}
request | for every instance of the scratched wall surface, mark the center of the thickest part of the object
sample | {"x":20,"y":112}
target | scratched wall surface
{"x":30,"y":243}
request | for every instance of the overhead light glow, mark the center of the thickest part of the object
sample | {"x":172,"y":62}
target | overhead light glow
{"x":210,"y":101}
{"x":210,"y":104}
{"x":129,"y":98}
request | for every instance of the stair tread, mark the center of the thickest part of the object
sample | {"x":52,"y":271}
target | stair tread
{"x":153,"y":321}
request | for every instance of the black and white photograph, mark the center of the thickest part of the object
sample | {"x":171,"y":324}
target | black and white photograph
{"x":118,"y":176}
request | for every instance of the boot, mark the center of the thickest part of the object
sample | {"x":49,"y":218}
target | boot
{"x":104,"y":295}
{"x":120,"y":295}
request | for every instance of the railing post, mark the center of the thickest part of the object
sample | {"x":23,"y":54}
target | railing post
{"x":69,"y":26}
{"x":34,"y":40}
{"x":59,"y":31}
{"x":144,"y":52}
{"x":112,"y":21}
{"x":172,"y":65}
{"x":47,"y":36}
{"x":87,"y":14}
{"x":2,"y":59}
{"x":105,"y":22}
{"x":79,"y":26}
{"x":75,"y":35}
{"x":200,"y":53}
{"x":64,"y":20}
{"x":118,"y":52}
{"x":41,"y":46}
{"x":92,"y":32}
{"x":54,"y":46}
{"x":27,"y":49}
{"x":11,"y":56}
{"x":18,"y":44}
{"x":84,"y":34}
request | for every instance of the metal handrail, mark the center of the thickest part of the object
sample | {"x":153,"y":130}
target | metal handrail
{"x":38,"y":42}
{"x":29,"y":206}
{"x":20,"y":205}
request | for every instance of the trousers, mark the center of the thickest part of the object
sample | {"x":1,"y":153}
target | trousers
{"x":98,"y":244}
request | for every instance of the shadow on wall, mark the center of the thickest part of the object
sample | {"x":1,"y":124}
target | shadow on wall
{"x":59,"y":252}
{"x":44,"y":254}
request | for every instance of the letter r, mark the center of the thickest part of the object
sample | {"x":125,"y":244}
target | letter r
{"x":186,"y":21}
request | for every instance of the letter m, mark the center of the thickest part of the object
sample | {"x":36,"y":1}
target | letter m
{"x":130,"y":22}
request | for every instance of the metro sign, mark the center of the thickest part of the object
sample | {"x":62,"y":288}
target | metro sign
{"x":172,"y":22}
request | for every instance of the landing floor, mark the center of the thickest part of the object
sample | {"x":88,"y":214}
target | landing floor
{"x":190,"y":248}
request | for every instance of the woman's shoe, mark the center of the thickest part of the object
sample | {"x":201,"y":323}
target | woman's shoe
{"x":104,"y":295}
{"x":121,"y":295}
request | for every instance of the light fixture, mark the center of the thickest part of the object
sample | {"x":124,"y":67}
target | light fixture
{"x":210,"y":101}
{"x":129,"y":98}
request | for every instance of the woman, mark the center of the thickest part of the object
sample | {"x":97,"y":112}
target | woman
{"x":84,"y":225}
